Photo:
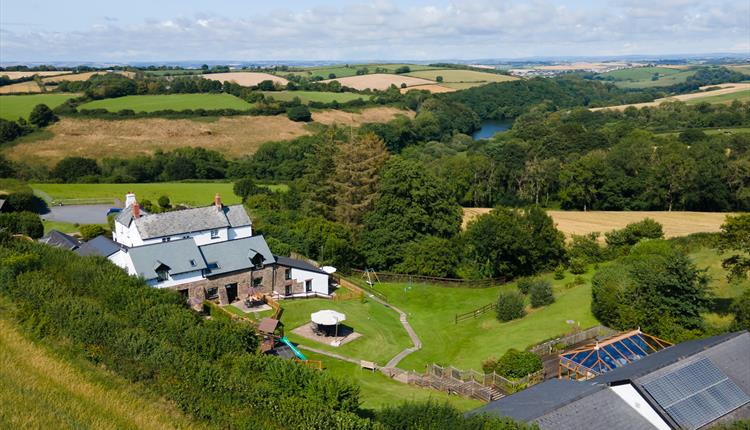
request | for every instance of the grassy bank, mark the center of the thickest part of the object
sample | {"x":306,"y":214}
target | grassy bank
{"x":169,"y":101}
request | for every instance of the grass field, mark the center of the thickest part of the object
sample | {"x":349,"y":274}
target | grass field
{"x":169,"y":101}
{"x":722,"y":93}
{"x":378,"y":390}
{"x":675,"y":223}
{"x":742,"y":96}
{"x":20,"y":106}
{"x":42,"y":389}
{"x":380,"y":81}
{"x":189,"y":193}
{"x":382,"y":334}
{"x":462,"y":76}
{"x":641,"y":77}
{"x":314,"y":96}
{"x":344,"y":71}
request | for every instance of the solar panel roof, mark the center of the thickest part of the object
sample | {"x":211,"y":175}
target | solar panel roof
{"x":696,"y":394}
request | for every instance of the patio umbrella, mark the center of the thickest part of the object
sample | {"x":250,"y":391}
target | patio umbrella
{"x":327,"y":317}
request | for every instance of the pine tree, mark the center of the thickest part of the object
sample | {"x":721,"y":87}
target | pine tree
{"x":358,"y":162}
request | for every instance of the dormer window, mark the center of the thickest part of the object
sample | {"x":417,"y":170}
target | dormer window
{"x":215,"y":233}
{"x":192,"y":263}
{"x":162,"y":271}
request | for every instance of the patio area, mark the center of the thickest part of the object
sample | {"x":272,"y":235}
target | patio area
{"x":345,"y":335}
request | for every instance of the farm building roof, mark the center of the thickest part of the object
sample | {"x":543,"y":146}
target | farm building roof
{"x":298,"y":264}
{"x":233,"y":255}
{"x":608,"y":354}
{"x":100,"y":245}
{"x":60,"y":240}
{"x":185,"y":220}
{"x":689,"y":385}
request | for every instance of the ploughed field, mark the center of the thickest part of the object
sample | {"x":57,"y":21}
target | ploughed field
{"x":675,"y":223}
{"x":151,"y":103}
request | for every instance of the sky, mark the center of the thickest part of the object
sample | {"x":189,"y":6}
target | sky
{"x":214,"y":30}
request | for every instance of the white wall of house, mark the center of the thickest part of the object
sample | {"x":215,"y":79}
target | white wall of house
{"x":127,"y":235}
{"x":240,"y":232}
{"x":319,"y":280}
{"x":121,"y":259}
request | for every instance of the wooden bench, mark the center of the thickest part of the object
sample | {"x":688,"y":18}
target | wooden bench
{"x":369,"y":365}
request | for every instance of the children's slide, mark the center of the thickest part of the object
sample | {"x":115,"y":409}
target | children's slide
{"x":294,"y":349}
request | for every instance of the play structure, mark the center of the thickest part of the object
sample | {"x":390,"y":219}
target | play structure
{"x":294,"y":349}
{"x":370,"y":276}
{"x":608,"y":354}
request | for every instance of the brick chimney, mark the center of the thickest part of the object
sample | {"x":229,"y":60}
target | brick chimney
{"x":136,"y":210}
{"x":217,"y":202}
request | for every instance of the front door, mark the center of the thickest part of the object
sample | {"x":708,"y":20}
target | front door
{"x":231,"y":292}
{"x":288,"y":290}
{"x":308,"y":285}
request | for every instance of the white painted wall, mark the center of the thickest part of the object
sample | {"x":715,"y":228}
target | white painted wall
{"x":240,"y":232}
{"x":320,"y":281}
{"x":630,"y":396}
{"x":122,"y":259}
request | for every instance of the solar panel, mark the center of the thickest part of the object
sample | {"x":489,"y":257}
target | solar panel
{"x":696,"y":394}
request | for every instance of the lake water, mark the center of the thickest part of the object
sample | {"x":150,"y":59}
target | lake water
{"x":489,"y":127}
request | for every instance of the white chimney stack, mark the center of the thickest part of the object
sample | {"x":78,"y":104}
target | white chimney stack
{"x":129,"y":199}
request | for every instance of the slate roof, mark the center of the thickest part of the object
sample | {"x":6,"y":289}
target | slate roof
{"x":233,"y":255}
{"x":185,"y":220}
{"x":60,"y":240}
{"x":100,"y":245}
{"x":566,"y":404}
{"x":177,"y":255}
{"x":2,"y":203}
{"x":298,"y":264}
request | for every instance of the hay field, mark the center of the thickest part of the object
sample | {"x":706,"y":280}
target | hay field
{"x":151,"y":103}
{"x":380,"y":81}
{"x":20,"y":106}
{"x":233,"y":136}
{"x":18,"y":75}
{"x":576,"y":222}
{"x":246,"y":79}
{"x":42,"y":389}
{"x":343,"y":71}
{"x":462,"y":76}
{"x":378,"y":114}
{"x":433,"y":88}
{"x":21,"y":87}
{"x":723,"y":90}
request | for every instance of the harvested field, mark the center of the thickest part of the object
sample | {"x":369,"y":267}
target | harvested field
{"x":246,"y":79}
{"x":433,"y":88}
{"x":724,"y":89}
{"x":380,"y":81}
{"x":378,"y":114}
{"x":18,"y":75}
{"x":233,"y":136}
{"x":675,"y":223}
{"x":471,"y":76}
{"x":21,"y":87}
{"x":72,"y":77}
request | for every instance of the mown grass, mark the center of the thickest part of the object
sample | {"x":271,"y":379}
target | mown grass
{"x":188,"y":193}
{"x":20,"y":106}
{"x":382,"y":334}
{"x":663,"y":81}
{"x":742,"y":96}
{"x":314,"y":96}
{"x":169,"y":101}
{"x":41,"y":388}
{"x":378,"y":390}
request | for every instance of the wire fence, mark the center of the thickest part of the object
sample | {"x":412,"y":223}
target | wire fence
{"x":443,"y":282}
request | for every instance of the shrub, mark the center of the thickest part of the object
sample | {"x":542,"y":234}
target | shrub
{"x":578,"y":280}
{"x":299,"y":113}
{"x":517,"y":364}
{"x":633,"y":233}
{"x":489,"y":365}
{"x":524,"y":285}
{"x":90,"y":231}
{"x":433,"y":415}
{"x":577,"y":266}
{"x":541,"y":293}
{"x":42,"y":116}
{"x":164,"y":202}
{"x":244,"y":188}
{"x":586,"y":248}
{"x":403,"y":69}
{"x":438,"y":78}
{"x":510,"y":306}
{"x":559,"y":272}
{"x":27,"y":223}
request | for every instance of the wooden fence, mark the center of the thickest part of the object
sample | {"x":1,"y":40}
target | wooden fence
{"x":475,"y":313}
{"x":555,"y":345}
{"x":443,"y":282}
{"x":361,"y":284}
{"x":489,"y":380}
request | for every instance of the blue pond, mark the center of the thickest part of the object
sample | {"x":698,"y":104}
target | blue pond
{"x":489,"y":127}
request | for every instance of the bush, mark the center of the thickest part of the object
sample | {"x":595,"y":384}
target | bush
{"x":577,"y":266}
{"x":524,"y":285}
{"x":244,"y":188}
{"x":510,"y":306}
{"x":541,"y":293}
{"x":433,"y":415}
{"x":559,"y":272}
{"x":633,"y":233}
{"x":164,"y":202}
{"x":517,"y":364}
{"x":90,"y":231}
{"x":299,"y":113}
{"x":586,"y":248}
{"x":42,"y":116}
{"x":27,"y":223}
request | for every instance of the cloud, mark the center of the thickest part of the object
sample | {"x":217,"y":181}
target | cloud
{"x":389,"y":30}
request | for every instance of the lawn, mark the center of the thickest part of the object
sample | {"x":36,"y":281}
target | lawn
{"x":709,"y":258}
{"x":462,"y":76}
{"x":188,"y":193}
{"x":378,"y":390}
{"x":641,"y":77}
{"x":169,"y":101}
{"x":20,"y":106}
{"x":314,"y":96}
{"x":382,"y":334}
{"x":742,"y":96}
{"x":431,"y":311}
{"x":42,"y":389}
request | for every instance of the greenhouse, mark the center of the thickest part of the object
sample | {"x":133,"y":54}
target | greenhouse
{"x":608,"y":354}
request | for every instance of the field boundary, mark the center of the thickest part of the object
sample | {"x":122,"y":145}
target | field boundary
{"x":438,"y":281}
{"x":475,"y":313}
